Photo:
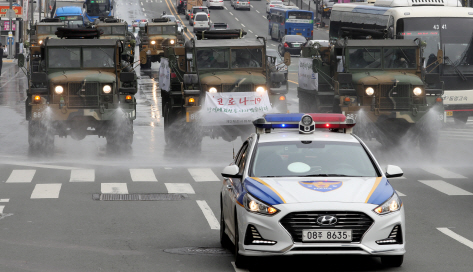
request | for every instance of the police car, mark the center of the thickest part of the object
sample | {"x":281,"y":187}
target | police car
{"x":303,"y":184}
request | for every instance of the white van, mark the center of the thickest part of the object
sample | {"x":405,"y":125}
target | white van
{"x":201,"y":21}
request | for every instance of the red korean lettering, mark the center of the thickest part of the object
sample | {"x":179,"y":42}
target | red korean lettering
{"x":231,"y":102}
{"x":220,"y":101}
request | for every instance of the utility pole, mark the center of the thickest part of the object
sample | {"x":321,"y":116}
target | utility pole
{"x":39,"y":9}
{"x":10,"y":32}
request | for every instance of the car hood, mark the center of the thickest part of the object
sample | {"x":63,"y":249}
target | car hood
{"x":274,"y":191}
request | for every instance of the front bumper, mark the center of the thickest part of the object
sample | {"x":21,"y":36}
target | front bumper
{"x":56,"y":112}
{"x":293,"y":51}
{"x":270,"y":228}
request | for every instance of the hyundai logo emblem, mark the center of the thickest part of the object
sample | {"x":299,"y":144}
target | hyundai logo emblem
{"x":326,"y":220}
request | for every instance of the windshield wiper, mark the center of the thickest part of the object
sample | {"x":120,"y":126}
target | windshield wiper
{"x":455,"y":68}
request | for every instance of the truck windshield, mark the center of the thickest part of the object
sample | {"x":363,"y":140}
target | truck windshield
{"x":98,"y":8}
{"x":399,"y":58}
{"x":47,"y":29}
{"x":98,"y":57}
{"x":166,"y":30}
{"x":65,"y":57}
{"x":247,"y":58}
{"x":209,"y":58}
{"x":364,"y":58}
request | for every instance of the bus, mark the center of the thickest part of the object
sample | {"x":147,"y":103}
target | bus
{"x":74,"y":16}
{"x":290,"y":22}
{"x":445,"y":26}
{"x":98,"y":8}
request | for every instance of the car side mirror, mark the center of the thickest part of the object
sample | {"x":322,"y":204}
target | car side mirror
{"x":287,"y":58}
{"x":230,"y":171}
{"x":21,"y":60}
{"x":393,"y":171}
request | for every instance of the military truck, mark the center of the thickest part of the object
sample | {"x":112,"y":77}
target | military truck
{"x":82,"y":88}
{"x":380,"y":83}
{"x":157,"y":34}
{"x":115,"y":29}
{"x":215,"y":66}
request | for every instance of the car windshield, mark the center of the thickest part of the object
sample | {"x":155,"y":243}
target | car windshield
{"x":399,"y":58}
{"x":208,"y":58}
{"x":295,"y":38}
{"x":65,"y":57}
{"x":364,"y":58}
{"x":98,"y":57}
{"x":311,"y":159}
{"x":247,"y":58}
{"x":299,"y":15}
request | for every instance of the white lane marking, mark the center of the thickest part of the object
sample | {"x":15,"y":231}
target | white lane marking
{"x":257,"y":11}
{"x":3,"y":200}
{"x":209,"y":215}
{"x":142,"y":175}
{"x":141,"y":3}
{"x":1,"y":209}
{"x":445,"y":187}
{"x":82,"y":175}
{"x":273,"y":44}
{"x":236,"y":19}
{"x":250,"y":31}
{"x":21,"y":176}
{"x":37,"y":165}
{"x":114,"y":188}
{"x":225,"y":8}
{"x":256,"y":35}
{"x":243,"y":25}
{"x":203,"y":174}
{"x":399,"y":193}
{"x":231,"y":13}
{"x":179,"y":188}
{"x":264,"y":16}
{"x":457,"y":237}
{"x":144,"y":14}
{"x":46,"y":191}
{"x":442,"y":172}
{"x":239,"y":269}
{"x":143,"y":9}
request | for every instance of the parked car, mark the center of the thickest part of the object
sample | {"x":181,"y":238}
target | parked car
{"x":195,"y":10}
{"x":273,"y":4}
{"x":215,"y":4}
{"x":219,"y":26}
{"x":292,"y":44}
{"x":239,"y":4}
{"x":201,"y":21}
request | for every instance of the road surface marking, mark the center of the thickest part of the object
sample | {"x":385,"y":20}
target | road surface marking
{"x":143,"y":9}
{"x":293,"y":82}
{"x":399,"y":193}
{"x":203,"y":174}
{"x":243,"y":25}
{"x":250,"y":31}
{"x":1,"y":209}
{"x":141,"y":3}
{"x":209,"y":215}
{"x":257,"y":11}
{"x":82,"y":175}
{"x":46,"y":191}
{"x":264,"y":16}
{"x":445,"y":187}
{"x":239,"y":269}
{"x":3,"y":200}
{"x":21,"y":176}
{"x":142,"y":175}
{"x":231,"y":13}
{"x":114,"y":188}
{"x":442,"y":172}
{"x":179,"y":188}
{"x":236,"y":19}
{"x":457,"y":237}
{"x":273,"y":44}
{"x":225,"y":8}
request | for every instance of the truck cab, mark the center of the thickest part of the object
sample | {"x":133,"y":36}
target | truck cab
{"x":115,"y":29}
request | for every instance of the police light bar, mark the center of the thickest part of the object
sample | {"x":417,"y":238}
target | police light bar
{"x":306,"y":123}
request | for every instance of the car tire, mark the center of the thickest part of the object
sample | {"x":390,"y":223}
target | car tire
{"x":224,"y":239}
{"x":392,"y":261}
{"x":241,"y":261}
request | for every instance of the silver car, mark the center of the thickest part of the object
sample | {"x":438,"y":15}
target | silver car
{"x":239,"y":4}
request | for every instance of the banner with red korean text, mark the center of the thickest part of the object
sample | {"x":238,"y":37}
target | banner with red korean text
{"x":239,"y":108}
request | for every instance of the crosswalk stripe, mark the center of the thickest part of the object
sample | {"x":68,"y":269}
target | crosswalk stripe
{"x":82,"y":175}
{"x":209,"y":215}
{"x":21,"y":176}
{"x":399,"y":193}
{"x":1,"y":209}
{"x":179,"y":188}
{"x":445,"y":187}
{"x":3,"y":200}
{"x":114,"y":188}
{"x":203,"y":174}
{"x":457,"y":237}
{"x":442,"y":172}
{"x":138,"y":175}
{"x":46,"y":191}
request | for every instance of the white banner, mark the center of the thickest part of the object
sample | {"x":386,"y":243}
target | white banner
{"x":240,"y":108}
{"x":307,"y":78}
{"x":164,"y":75}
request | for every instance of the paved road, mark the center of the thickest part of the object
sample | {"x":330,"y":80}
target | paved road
{"x":49,"y":220}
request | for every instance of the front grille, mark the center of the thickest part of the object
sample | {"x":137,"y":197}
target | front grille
{"x":358,"y":222}
{"x":83,"y":94}
{"x":239,"y":88}
{"x":397,"y":98}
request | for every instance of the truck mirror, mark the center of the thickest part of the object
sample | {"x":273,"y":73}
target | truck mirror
{"x":440,"y":56}
{"x":287,"y":58}
{"x":21,"y":60}
{"x":185,"y":29}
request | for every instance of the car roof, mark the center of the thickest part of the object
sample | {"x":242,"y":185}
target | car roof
{"x":290,"y":135}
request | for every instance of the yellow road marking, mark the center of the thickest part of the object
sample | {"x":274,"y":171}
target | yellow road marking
{"x":293,"y":82}
{"x":174,"y":12}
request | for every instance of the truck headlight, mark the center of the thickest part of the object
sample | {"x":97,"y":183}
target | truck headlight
{"x":153,"y":42}
{"x":107,"y":89}
{"x":393,"y":204}
{"x":172,"y":42}
{"x":59,"y":89}
{"x":213,"y":90}
{"x":260,"y":89}
{"x":369,"y":91}
{"x":40,"y":41}
{"x":417,"y":91}
{"x":253,"y":205}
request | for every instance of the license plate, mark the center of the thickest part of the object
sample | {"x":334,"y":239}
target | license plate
{"x":321,"y":235}
{"x":449,"y":113}
{"x":299,"y":33}
{"x":296,"y":45}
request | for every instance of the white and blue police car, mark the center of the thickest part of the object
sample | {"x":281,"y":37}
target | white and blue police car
{"x":303,"y":184}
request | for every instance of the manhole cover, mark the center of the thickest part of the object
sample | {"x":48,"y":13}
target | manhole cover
{"x":138,"y":197}
{"x":199,"y":251}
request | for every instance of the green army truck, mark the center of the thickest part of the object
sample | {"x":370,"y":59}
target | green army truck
{"x":380,"y":83}
{"x":115,"y":29}
{"x":215,"y":66}
{"x":156,"y":35}
{"x":82,"y":88}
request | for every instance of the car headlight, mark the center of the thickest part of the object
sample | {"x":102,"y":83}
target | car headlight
{"x":153,"y":42}
{"x":393,"y":204}
{"x":417,"y":91}
{"x":59,"y":89}
{"x":369,"y":91}
{"x":260,"y":89}
{"x":107,"y":89}
{"x":213,"y":90}
{"x":40,"y":42}
{"x":253,"y":205}
{"x":172,"y":42}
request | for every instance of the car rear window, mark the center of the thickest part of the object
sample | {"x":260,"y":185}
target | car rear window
{"x":200,"y":10}
{"x":295,"y":38}
{"x":201,"y":17}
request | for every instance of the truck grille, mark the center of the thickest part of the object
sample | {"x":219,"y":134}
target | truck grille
{"x":83,"y":95}
{"x":239,"y":88}
{"x":400,"y":97}
{"x":295,"y":222}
